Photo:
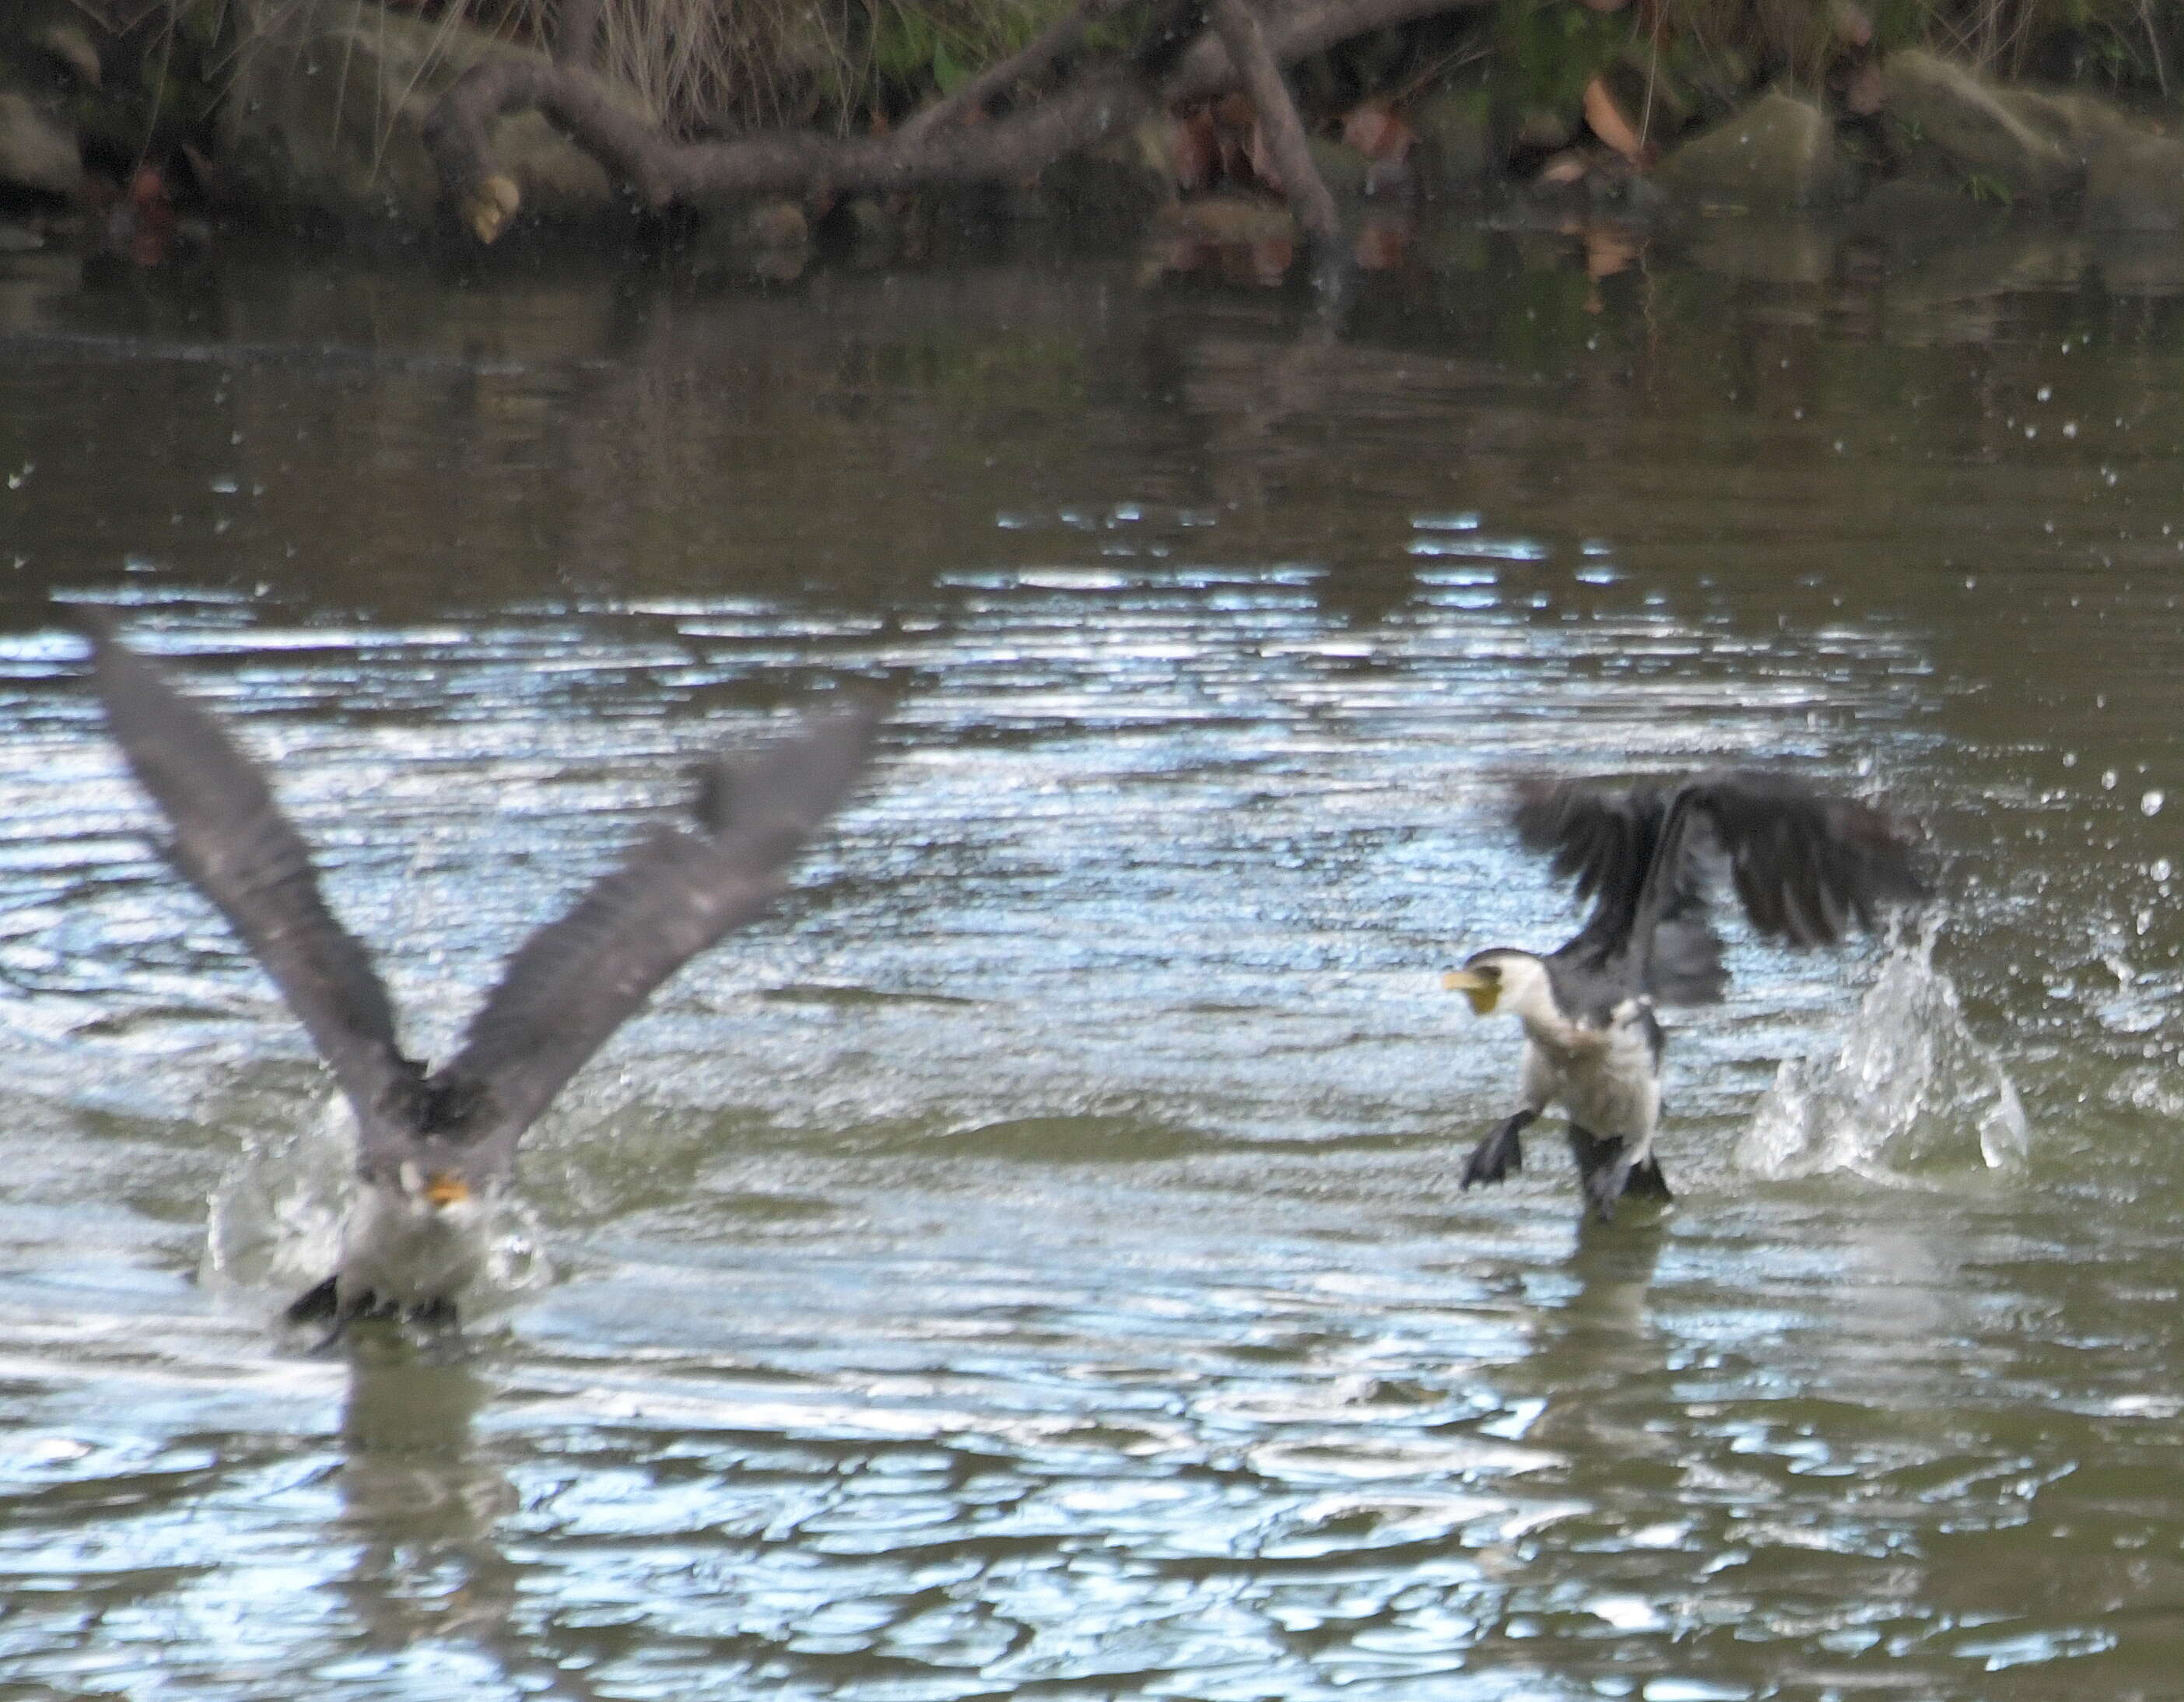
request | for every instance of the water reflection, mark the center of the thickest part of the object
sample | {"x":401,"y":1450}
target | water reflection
{"x":421,"y":1501}
{"x":1034,"y":1265}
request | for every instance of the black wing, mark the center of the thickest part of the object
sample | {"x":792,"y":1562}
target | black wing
{"x":1805,"y":866}
{"x":576,"y":980}
{"x":1608,"y":841}
{"x":232,"y":842}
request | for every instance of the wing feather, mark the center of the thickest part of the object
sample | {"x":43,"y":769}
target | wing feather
{"x":1808,"y":867}
{"x":576,"y":980}
{"x":1805,"y":867}
{"x":232,"y":842}
{"x":1606,"y":839}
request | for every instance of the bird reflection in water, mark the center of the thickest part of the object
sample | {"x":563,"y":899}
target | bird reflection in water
{"x":1585,"y":1400}
{"x":423,"y":1500}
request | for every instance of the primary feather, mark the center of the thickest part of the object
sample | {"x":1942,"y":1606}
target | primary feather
{"x":1806,"y":867}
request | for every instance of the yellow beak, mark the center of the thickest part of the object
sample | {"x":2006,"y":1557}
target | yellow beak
{"x":445,"y":1190}
{"x":1484,"y":991}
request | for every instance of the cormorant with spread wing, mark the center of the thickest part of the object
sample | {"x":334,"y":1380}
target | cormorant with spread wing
{"x":1805,"y":867}
{"x":436,"y":1147}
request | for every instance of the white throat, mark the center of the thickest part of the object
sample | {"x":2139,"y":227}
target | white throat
{"x":1528,"y":996}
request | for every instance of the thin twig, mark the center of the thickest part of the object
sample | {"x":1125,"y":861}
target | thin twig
{"x":1027,"y":61}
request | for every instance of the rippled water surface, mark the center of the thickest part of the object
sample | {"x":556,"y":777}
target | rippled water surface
{"x":1029,"y":1263}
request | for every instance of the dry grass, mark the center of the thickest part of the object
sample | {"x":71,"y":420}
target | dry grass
{"x":705,"y":66}
{"x":2131,"y":43}
{"x":699,"y":65}
{"x":2123,"y":41}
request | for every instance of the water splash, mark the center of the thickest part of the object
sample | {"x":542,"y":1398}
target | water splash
{"x":276,"y":1217}
{"x":1910,"y":1089}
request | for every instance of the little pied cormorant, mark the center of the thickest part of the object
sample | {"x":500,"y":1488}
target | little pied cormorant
{"x":1805,"y":867}
{"x":434,"y":1148}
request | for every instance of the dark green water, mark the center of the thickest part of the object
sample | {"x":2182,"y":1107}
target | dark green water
{"x":1029,"y":1264}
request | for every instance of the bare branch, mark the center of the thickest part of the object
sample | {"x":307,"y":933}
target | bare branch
{"x":1240,"y":32}
{"x":1106,"y":99}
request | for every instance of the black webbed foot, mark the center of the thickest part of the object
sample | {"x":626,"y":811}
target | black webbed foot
{"x":1606,"y":1172}
{"x":1603,"y":1168}
{"x":323,"y":1304}
{"x":1646,"y":1182}
{"x":1604,"y":1186}
{"x":1500,"y":1151}
{"x":318,"y":1305}
{"x":437,"y":1313}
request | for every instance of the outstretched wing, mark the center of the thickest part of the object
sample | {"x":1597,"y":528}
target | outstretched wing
{"x":232,"y":842}
{"x":576,"y":980}
{"x":1805,"y":866}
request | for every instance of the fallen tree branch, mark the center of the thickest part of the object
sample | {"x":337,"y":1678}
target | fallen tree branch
{"x":1106,"y":99}
{"x":1241,"y":34}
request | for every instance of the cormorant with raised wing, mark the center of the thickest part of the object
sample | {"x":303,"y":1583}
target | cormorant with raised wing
{"x":1805,"y":867}
{"x":435,"y":1147}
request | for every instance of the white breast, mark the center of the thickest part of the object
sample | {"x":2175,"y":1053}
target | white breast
{"x":1603,"y":1078}
{"x":407,"y":1251}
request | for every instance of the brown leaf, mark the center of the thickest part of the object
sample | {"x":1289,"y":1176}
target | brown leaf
{"x":1261,"y":155}
{"x":1382,"y":244}
{"x":490,"y":205}
{"x":1608,"y":251}
{"x":1566,"y":167}
{"x":141,"y":224}
{"x":1609,"y":123}
{"x":1866,"y":90}
{"x":1271,"y":258}
{"x":1197,"y":151}
{"x":1375,"y":131}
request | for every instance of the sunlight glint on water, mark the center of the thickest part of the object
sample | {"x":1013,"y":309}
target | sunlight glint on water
{"x":1031,"y":1264}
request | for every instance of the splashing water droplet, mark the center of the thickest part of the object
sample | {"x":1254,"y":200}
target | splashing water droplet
{"x":1911,"y":1088}
{"x":276,"y":1217}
